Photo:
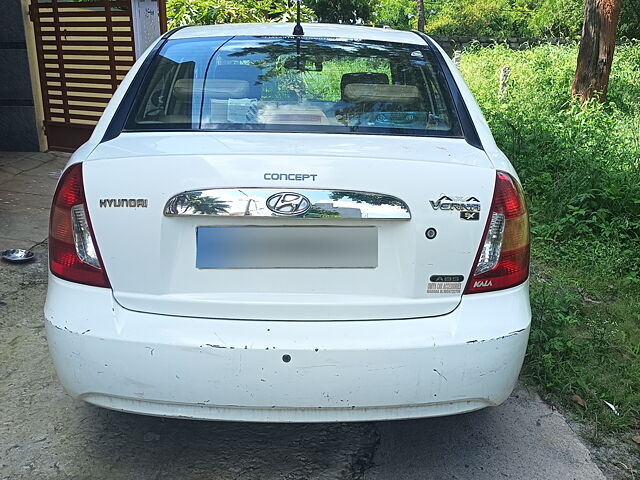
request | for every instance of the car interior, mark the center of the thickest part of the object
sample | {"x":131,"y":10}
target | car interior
{"x":244,"y":94}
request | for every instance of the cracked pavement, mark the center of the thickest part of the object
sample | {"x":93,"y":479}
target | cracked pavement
{"x":45,"y":434}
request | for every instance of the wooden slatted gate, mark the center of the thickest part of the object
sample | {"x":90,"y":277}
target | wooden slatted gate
{"x":84,"y":51}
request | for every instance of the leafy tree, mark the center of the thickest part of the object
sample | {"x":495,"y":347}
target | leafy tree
{"x":208,"y":12}
{"x":398,"y":14}
{"x":480,"y":18}
{"x":630,"y":19}
{"x":556,"y":18}
{"x":342,"y":11}
{"x":564,"y":18}
{"x":491,"y":18}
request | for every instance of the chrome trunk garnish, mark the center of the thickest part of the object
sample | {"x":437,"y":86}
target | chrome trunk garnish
{"x":300,"y":203}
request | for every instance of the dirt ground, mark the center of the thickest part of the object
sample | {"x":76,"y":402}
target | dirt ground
{"x":45,"y":434}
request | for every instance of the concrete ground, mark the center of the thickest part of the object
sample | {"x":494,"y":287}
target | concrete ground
{"x":27,"y":182}
{"x":45,"y":434}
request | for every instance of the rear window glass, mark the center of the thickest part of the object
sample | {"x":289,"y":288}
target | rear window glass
{"x":295,"y":84}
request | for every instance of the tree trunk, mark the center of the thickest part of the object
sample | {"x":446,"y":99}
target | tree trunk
{"x":420,"y":15}
{"x":596,"y":49}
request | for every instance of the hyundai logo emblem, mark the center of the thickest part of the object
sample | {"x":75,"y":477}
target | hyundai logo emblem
{"x":288,"y":204}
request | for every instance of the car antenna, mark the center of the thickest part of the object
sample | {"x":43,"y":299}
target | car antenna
{"x":297,"y":30}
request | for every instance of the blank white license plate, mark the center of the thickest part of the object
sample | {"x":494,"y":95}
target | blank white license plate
{"x":287,"y":247}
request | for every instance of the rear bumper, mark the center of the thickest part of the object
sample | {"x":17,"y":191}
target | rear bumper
{"x":284,"y":371}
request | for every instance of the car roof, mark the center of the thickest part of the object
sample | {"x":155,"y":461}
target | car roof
{"x":325,"y":30}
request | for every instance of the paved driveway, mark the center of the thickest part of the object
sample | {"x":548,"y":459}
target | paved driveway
{"x":44,"y":434}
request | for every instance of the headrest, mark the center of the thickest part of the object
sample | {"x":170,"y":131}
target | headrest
{"x":370,"y":92}
{"x":214,"y":88}
{"x":362,"y":77}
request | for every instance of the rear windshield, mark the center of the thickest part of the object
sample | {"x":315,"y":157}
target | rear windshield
{"x":295,"y":84}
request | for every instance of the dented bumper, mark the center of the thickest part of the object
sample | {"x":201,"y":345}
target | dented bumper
{"x":286,"y":371}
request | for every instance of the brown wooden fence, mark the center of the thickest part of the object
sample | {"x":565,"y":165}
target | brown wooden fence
{"x":84,"y":51}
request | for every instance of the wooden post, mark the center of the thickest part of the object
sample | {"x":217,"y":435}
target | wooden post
{"x":420,"y":15}
{"x":162,"y":10}
{"x":34,"y":47}
{"x":504,"y":83}
{"x":597,"y":45}
{"x":457,"y":55}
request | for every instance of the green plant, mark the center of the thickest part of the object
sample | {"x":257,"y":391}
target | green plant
{"x":580,"y":166}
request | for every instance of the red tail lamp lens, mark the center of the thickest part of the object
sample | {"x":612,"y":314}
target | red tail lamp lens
{"x":73,"y":251}
{"x":503,"y":258}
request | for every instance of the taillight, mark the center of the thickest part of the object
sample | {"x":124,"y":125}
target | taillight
{"x":503,"y":258}
{"x":73,"y":252}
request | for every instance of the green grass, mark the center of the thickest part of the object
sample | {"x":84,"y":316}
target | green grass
{"x":580,"y":166}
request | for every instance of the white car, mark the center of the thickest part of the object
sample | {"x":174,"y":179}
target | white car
{"x":290,"y":228}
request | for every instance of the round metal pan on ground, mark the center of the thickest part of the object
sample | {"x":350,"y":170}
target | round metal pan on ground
{"x":17,"y":255}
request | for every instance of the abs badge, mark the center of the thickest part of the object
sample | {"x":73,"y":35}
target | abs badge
{"x":445,"y":284}
{"x":469,"y":208}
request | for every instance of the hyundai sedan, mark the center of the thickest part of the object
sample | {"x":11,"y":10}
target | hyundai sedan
{"x":289,"y":228}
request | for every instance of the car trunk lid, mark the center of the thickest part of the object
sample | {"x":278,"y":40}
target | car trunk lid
{"x":366,"y":248}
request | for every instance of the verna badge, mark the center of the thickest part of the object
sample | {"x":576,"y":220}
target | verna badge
{"x":288,"y":204}
{"x":460,"y":204}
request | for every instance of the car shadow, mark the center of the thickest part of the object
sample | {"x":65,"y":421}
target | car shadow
{"x":152,"y":447}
